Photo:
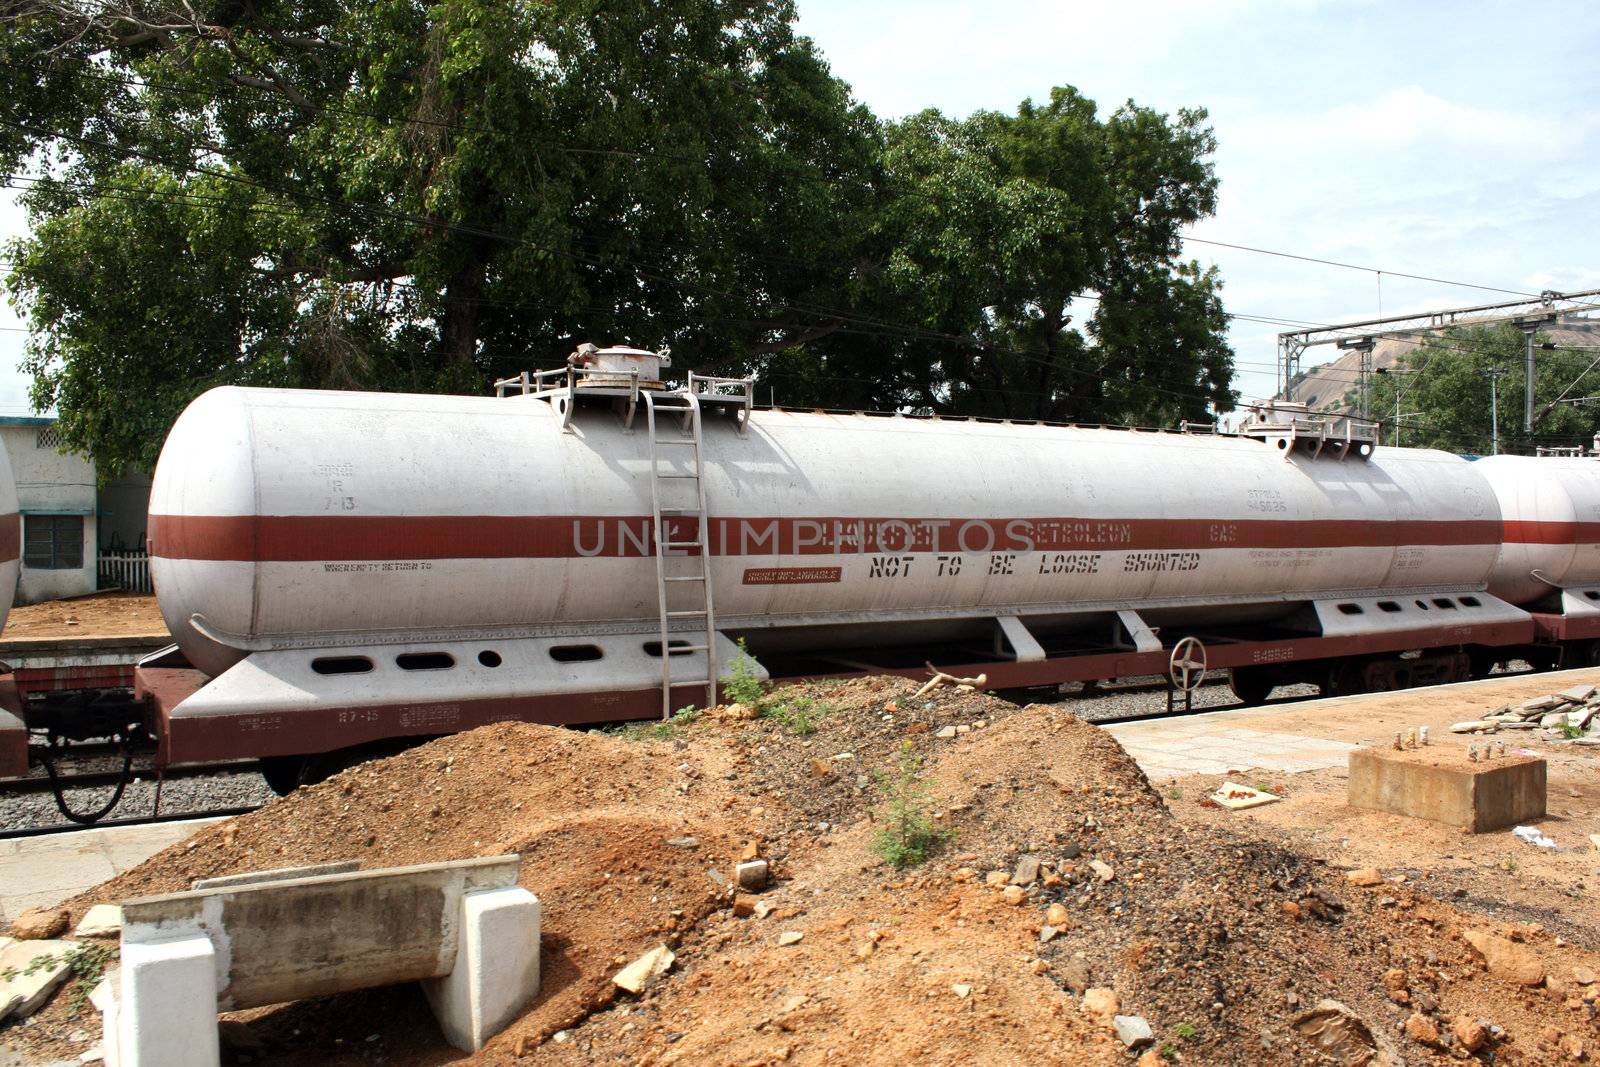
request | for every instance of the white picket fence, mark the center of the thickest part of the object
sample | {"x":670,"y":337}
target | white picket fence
{"x":129,"y":570}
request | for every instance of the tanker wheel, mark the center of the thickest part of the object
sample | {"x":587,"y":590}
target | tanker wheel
{"x":1252,"y":686}
{"x":1344,"y":678}
{"x":1483,"y":662}
{"x":283,"y":774}
{"x":1032,"y":694}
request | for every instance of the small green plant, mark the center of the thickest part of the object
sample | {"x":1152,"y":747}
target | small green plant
{"x":1185,"y":1031}
{"x":1169,"y":1053}
{"x":906,"y":835}
{"x":1174,"y":793}
{"x":742,"y":686}
{"x":800,"y":714}
{"x":665,"y":730}
{"x":1569,"y":731}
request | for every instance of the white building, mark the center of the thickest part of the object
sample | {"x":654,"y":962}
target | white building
{"x":66,"y":517}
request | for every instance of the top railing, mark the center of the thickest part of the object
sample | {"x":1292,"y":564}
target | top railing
{"x":619,"y":375}
{"x":1292,"y":429}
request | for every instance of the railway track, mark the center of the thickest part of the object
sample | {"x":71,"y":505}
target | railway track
{"x":97,"y":788}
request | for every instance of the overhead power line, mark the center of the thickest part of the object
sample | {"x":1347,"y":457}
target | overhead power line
{"x":1357,"y":266}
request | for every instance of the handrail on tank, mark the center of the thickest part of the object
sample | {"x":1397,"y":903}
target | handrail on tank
{"x":741,"y":391}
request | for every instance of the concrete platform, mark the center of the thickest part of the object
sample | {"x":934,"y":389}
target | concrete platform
{"x":1311,"y":735}
{"x":41,"y":871}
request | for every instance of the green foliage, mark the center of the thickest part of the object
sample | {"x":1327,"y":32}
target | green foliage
{"x":380,"y":194}
{"x":800,"y":714}
{"x":666,"y":730}
{"x":906,"y":835}
{"x":1443,"y":391}
{"x":1185,"y":1031}
{"x":743,"y":686}
{"x":1569,"y":731}
{"x":87,"y":962}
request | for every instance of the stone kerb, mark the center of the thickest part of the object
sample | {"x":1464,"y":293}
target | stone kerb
{"x":463,"y":928}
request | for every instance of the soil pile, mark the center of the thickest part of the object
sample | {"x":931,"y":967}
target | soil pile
{"x":1065,"y":893}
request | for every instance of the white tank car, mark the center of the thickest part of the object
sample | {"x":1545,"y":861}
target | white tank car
{"x":10,"y":538}
{"x":13,"y":731}
{"x":327,"y":517}
{"x":1551,"y":508}
{"x":340,"y":568}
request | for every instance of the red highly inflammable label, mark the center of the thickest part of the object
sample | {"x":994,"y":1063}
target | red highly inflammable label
{"x":790,"y":575}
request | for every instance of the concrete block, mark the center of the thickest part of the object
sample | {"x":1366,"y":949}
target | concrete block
{"x":496,"y":968}
{"x":1441,"y":784}
{"x":102,"y":920}
{"x":104,"y":998}
{"x":311,"y":936}
{"x":166,"y":1012}
{"x":281,"y":874}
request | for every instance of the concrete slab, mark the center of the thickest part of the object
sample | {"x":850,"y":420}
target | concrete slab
{"x":34,"y":978}
{"x":1217,"y":747}
{"x":44,"y":871}
{"x":1313,"y":735}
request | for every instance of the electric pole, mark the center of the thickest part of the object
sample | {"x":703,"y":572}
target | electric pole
{"x":1493,"y":374}
{"x":1529,"y":326}
{"x":1363,"y":345}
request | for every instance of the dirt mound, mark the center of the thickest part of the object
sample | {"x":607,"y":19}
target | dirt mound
{"x":1061,"y":871}
{"x":616,"y":838}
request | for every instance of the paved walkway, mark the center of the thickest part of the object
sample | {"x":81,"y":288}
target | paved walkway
{"x":1215,"y":743}
{"x":1309,"y":735}
{"x":41,"y":871}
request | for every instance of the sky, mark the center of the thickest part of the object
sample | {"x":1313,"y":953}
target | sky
{"x":1453,"y":140}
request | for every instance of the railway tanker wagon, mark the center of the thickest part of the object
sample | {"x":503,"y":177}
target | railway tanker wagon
{"x":13,"y":731}
{"x":341,"y":568}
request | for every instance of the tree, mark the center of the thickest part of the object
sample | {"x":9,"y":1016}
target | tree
{"x":389,"y":195}
{"x":1443,"y":390}
{"x":998,"y":230}
{"x":382,"y":194}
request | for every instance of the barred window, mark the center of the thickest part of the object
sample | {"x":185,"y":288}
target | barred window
{"x":48,"y":437}
{"x":52,"y":542}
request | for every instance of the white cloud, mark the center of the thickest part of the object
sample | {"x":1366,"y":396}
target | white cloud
{"x":1410,"y":116}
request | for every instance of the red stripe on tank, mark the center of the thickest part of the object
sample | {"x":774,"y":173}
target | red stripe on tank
{"x":328,"y":538}
{"x":1544,"y":532}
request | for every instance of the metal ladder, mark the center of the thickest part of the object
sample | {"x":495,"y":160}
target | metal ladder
{"x":689,"y":574}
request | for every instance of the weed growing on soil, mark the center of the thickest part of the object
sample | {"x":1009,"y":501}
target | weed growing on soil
{"x":799,"y":714}
{"x":743,"y":687}
{"x":907,"y":834}
{"x":1570,"y":731}
{"x":657,"y":731}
